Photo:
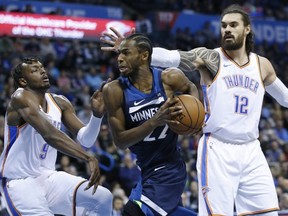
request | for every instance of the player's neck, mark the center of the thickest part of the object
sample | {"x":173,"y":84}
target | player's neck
{"x":40,"y":95}
{"x":142,"y":81}
{"x":143,"y":75}
{"x":239,"y":56}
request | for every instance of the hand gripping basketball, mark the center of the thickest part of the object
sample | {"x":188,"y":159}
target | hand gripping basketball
{"x":192,"y":117}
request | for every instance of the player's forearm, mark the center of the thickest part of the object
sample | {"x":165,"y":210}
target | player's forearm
{"x":127,"y":138}
{"x":63,"y":143}
{"x":88,"y":134}
{"x":278,"y":91}
{"x":165,"y":58}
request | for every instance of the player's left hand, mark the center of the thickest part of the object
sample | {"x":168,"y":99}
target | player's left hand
{"x":113,"y":41}
{"x":97,"y":102}
{"x":95,"y":174}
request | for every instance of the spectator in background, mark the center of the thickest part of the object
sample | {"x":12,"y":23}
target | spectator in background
{"x":94,"y":78}
{"x":60,"y":48}
{"x":18,"y":46}
{"x":47,"y":49}
{"x":91,"y":53}
{"x":129,"y":173}
{"x":63,"y":80}
{"x":143,"y":25}
{"x":117,"y":190}
{"x":52,"y":71}
{"x":118,"y":204}
{"x":83,"y":97}
{"x":85,"y":113}
{"x":58,"y":11}
{"x":28,"y":9}
{"x":2,"y":124}
{"x":283,"y":201}
{"x":190,"y":196}
{"x":78,"y":81}
{"x":280,"y":131}
{"x":32,"y":47}
{"x":6,"y":44}
{"x":274,"y":153}
{"x":68,"y":62}
{"x":66,"y":166}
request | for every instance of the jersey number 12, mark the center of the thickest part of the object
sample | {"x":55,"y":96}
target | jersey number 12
{"x":241,"y":106}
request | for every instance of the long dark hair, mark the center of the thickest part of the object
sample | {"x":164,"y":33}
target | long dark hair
{"x":235,"y":8}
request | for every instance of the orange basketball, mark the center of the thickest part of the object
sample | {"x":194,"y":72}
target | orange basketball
{"x":192,"y":118}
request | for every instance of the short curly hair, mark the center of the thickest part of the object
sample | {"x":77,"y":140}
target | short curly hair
{"x":17,"y":71}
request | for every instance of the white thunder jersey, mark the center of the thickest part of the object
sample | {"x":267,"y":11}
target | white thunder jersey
{"x":25,"y":151}
{"x":233,"y":101}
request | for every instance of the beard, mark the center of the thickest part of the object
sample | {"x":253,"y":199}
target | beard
{"x":232,"y":44}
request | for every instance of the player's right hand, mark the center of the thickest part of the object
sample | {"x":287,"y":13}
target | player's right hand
{"x":95,"y":174}
{"x":168,"y":112}
{"x":113,"y":40}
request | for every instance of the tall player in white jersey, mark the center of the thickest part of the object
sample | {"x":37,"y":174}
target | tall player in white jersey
{"x":232,"y":169}
{"x":30,"y":184}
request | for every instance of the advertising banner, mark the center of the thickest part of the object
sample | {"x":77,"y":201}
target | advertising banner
{"x":22,"y":24}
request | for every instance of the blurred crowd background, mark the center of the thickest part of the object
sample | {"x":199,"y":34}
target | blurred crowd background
{"x":77,"y":68}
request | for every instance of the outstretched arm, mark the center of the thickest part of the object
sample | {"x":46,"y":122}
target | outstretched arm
{"x":187,"y":61}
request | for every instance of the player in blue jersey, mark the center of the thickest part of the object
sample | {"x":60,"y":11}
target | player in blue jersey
{"x":139,"y":105}
{"x":231,"y":167}
{"x":30,"y":183}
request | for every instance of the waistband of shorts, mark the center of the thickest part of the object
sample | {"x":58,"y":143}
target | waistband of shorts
{"x":228,"y":141}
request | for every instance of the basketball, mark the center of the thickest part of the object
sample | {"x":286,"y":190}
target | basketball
{"x":192,"y":117}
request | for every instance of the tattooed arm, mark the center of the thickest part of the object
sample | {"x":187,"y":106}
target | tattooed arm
{"x":201,"y":59}
{"x":198,"y":58}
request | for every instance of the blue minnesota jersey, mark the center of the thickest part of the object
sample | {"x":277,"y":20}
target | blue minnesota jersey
{"x":161,"y":145}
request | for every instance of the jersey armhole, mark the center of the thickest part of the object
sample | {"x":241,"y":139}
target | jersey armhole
{"x":259,"y":69}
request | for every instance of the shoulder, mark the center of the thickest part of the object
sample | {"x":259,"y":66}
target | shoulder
{"x":112,"y":88}
{"x":267,"y":70}
{"x":59,"y":98}
{"x":112,"y":94}
{"x":264,"y":61}
{"x":61,"y":101}
{"x":171,"y":73}
{"x":174,"y":78}
{"x":22,"y":98}
{"x":265,"y":66}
